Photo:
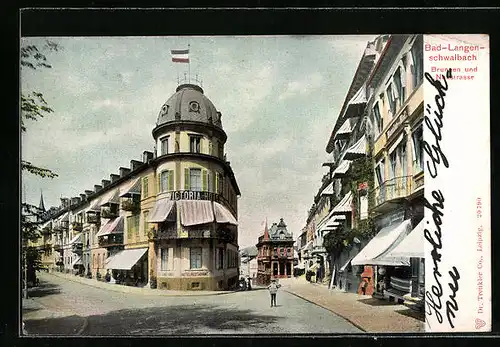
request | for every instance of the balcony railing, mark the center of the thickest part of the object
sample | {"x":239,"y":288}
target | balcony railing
{"x":109,"y":213}
{"x":395,"y":188}
{"x":131,"y":205}
{"x":110,"y":240}
{"x":93,"y":218}
{"x":77,"y":226}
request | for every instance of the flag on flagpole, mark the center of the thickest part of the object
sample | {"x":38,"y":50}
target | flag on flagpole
{"x":180,"y":55}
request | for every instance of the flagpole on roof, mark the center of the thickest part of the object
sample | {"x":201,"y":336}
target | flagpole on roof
{"x":189,"y":66}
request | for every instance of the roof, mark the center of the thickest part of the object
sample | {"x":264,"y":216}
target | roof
{"x":189,"y":104}
{"x":249,"y":251}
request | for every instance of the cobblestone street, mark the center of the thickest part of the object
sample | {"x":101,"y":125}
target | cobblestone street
{"x":60,"y":306}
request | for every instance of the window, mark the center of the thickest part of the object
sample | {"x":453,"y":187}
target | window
{"x":392,"y":100}
{"x":130,"y":226}
{"x":289,"y":251}
{"x":164,"y":145}
{"x":195,"y":179}
{"x":221,"y":150}
{"x":402,"y":158}
{"x":219,"y":183}
{"x":146,"y":224}
{"x":275,"y":251}
{"x":166,"y":181}
{"x":195,"y":258}
{"x":145,"y":187}
{"x":392,"y":164}
{"x":363,"y":205}
{"x":136,"y":224}
{"x":194,"y":143}
{"x":282,"y":235}
{"x":400,"y":90}
{"x":379,"y":121}
{"x":219,"y":258}
{"x":164,"y":258}
{"x":418,"y":150}
{"x":417,"y":62}
{"x":379,"y":171}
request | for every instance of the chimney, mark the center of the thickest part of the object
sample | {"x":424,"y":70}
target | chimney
{"x":83,"y":197}
{"x":134,"y":164}
{"x":105,"y":183}
{"x":97,"y":188}
{"x":124,"y":171}
{"x":147,"y":156}
{"x":64,"y":202}
{"x":75,"y":201}
{"x":114,"y":177}
{"x":89,"y":192}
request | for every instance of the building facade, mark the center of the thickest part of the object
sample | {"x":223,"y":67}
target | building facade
{"x":170,"y":220}
{"x":275,"y":253}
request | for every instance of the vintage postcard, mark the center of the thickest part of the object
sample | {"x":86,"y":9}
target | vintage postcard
{"x":235,"y":185}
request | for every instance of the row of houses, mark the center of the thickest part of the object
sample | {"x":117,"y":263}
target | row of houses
{"x":168,"y":221}
{"x":364,"y":231}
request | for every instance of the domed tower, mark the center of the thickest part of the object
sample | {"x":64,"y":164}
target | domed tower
{"x":195,"y":211}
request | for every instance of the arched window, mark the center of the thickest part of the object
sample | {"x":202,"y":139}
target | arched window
{"x":282,"y":235}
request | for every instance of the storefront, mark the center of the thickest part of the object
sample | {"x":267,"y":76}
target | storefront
{"x":129,"y":267}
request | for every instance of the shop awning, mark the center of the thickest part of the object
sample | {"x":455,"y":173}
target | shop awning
{"x":356,"y":104}
{"x":385,"y":241}
{"x":161,"y":211}
{"x":95,"y":206}
{"x":413,"y":244}
{"x":195,"y":212}
{"x":299,"y":266}
{"x":110,"y":197}
{"x":344,"y":131}
{"x":222,"y":215}
{"x":344,"y":267}
{"x":77,"y":261}
{"x":357,"y":150}
{"x":328,"y":190}
{"x":113,"y":226}
{"x":125,"y":259}
{"x":341,"y":170}
{"x":344,"y":206}
{"x":131,"y":188}
{"x":76,"y":239}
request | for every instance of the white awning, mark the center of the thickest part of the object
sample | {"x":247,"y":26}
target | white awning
{"x":111,"y":197}
{"x":342,"y":169}
{"x":125,"y":259}
{"x":344,"y":206}
{"x":344,"y":131}
{"x":113,"y":226}
{"x":161,"y":211}
{"x":300,"y":266}
{"x":413,"y":244}
{"x":95,"y":206}
{"x":331,"y":221}
{"x":77,"y":261}
{"x":342,"y":269}
{"x":131,"y":188}
{"x":356,"y":104}
{"x":76,"y":239}
{"x":195,"y":212}
{"x":328,"y":190}
{"x":357,"y":150}
{"x":222,"y":215}
{"x":384,"y":242}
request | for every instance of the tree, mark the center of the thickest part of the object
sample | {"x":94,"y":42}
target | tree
{"x":33,"y":107}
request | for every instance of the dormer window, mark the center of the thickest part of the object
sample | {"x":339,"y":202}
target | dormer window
{"x":194,"y":143}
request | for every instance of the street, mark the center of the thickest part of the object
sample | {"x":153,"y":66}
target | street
{"x":65,"y":307}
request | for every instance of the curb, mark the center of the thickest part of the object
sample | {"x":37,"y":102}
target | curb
{"x":329,"y":309}
{"x":154,"y":292}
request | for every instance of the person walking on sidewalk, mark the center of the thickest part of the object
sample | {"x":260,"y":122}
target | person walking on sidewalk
{"x":273,"y":289}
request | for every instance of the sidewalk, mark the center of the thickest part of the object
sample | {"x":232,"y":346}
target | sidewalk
{"x":367,"y":313}
{"x":136,"y":290}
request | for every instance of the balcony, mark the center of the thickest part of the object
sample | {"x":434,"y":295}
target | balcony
{"x":111,"y":240}
{"x":396,"y":189}
{"x":109,"y":212}
{"x":77,"y":248}
{"x":93,"y":218}
{"x":77,"y":226}
{"x":131,"y":205}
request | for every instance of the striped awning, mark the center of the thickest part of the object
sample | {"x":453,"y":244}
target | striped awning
{"x":357,"y":150}
{"x":125,"y":259}
{"x":77,"y":261}
{"x":113,"y":226}
{"x":222,"y":215}
{"x":413,"y":244}
{"x":341,"y":170}
{"x":131,"y":188}
{"x":111,"y":197}
{"x":161,"y":211}
{"x":76,"y":239}
{"x":95,"y":206}
{"x":344,"y":131}
{"x":195,"y":212}
{"x":328,"y":190}
{"x":356,"y":104}
{"x":65,"y":217}
{"x":344,"y":206}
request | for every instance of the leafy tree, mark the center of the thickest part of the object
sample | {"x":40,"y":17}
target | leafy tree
{"x":33,"y":107}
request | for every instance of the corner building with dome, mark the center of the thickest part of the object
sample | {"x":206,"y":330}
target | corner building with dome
{"x":167,"y":222}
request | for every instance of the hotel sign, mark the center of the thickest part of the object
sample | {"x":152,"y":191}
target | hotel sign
{"x":193,"y":195}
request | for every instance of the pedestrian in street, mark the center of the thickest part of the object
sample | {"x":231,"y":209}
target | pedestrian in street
{"x":273,"y":289}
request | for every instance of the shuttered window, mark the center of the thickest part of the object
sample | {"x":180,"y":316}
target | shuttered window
{"x":195,"y":179}
{"x":145,"y":187}
{"x":166,"y":181}
{"x":145,"y":222}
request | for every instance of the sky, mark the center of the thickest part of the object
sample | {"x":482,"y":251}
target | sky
{"x":279,"y":97}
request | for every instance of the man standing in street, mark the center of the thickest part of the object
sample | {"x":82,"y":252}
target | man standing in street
{"x":273,"y":289}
